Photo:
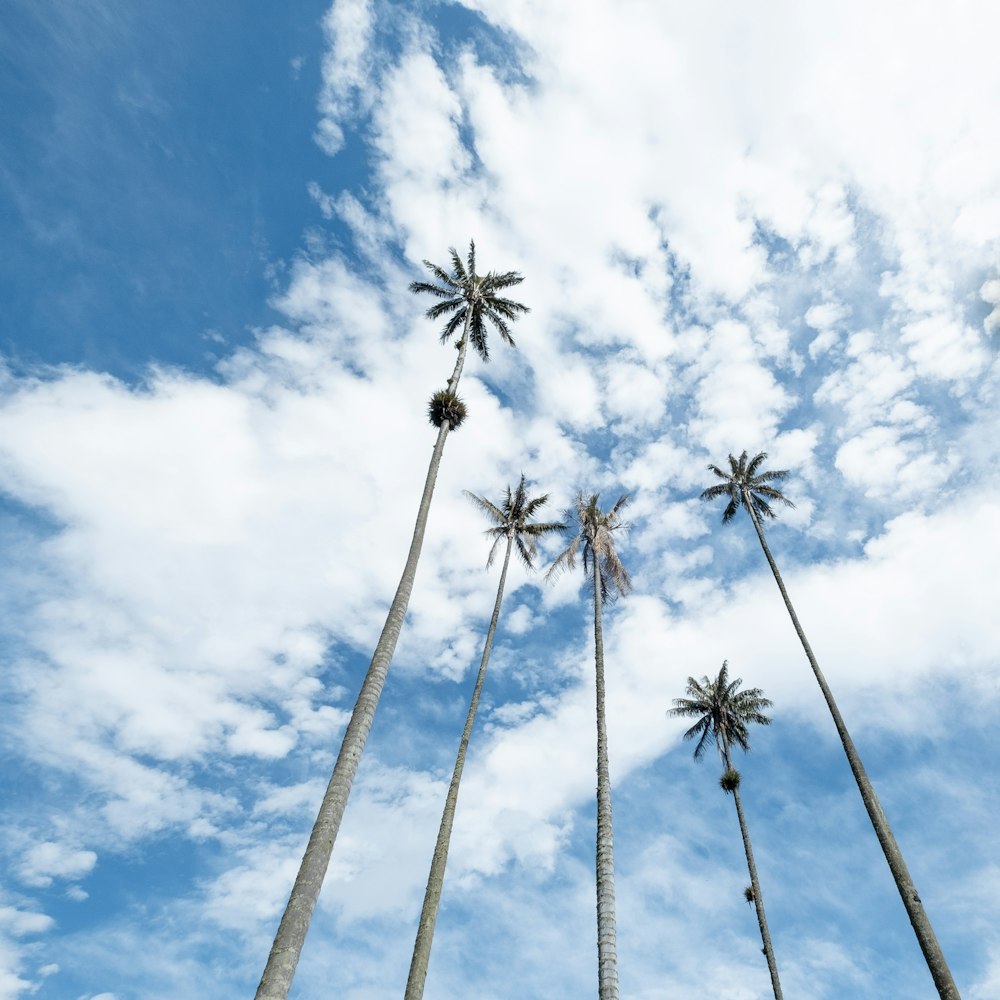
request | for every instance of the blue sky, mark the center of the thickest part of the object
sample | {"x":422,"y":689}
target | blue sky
{"x":775,"y":230}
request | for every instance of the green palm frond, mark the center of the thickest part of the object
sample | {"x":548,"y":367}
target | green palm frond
{"x":507,"y":279}
{"x":441,"y":291}
{"x":744,"y":486}
{"x":473,"y":299}
{"x":443,"y":308}
{"x":526,"y":551}
{"x":723,"y":712}
{"x":754,"y":465}
{"x":513,"y":520}
{"x":489,"y":509}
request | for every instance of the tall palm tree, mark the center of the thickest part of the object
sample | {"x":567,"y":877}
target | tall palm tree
{"x":746,"y":486}
{"x":469,"y":300}
{"x":723,"y":712}
{"x":513,"y":524}
{"x":595,"y":530}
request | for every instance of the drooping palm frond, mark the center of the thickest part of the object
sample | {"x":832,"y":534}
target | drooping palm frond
{"x":473,"y":299}
{"x":594,"y":533}
{"x":513,"y":519}
{"x":745,"y":487}
{"x":722,"y":710}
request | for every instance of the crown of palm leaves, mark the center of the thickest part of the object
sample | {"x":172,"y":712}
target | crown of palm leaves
{"x":464,"y":293}
{"x":746,"y":487}
{"x":512,"y":519}
{"x":722,"y":710}
{"x":595,"y":535}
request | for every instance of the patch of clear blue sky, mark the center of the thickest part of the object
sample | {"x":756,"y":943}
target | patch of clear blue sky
{"x":153,"y":172}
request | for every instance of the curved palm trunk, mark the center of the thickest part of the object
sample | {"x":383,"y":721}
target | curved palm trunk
{"x":933,"y":955}
{"x":758,"y":899}
{"x":435,"y":880}
{"x":607,"y":943}
{"x":279,"y":971}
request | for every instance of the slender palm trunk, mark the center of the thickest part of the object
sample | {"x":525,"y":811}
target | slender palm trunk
{"x":279,"y":971}
{"x":933,"y":955}
{"x":758,"y":899}
{"x":607,"y":943}
{"x":435,"y":880}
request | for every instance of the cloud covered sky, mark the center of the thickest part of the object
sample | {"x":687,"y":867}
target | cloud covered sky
{"x":768,"y":229}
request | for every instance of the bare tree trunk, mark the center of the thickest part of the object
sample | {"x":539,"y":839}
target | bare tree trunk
{"x":279,"y":971}
{"x":435,"y":880}
{"x":758,"y":899}
{"x":933,"y":955}
{"x":607,"y":943}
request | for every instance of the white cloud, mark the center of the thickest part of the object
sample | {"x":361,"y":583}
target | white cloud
{"x":739,"y":400}
{"x":15,"y":925}
{"x":885,"y":464}
{"x":519,"y":620}
{"x":23,"y":922}
{"x":990,"y":292}
{"x":45,"y":861}
{"x":636,"y":394}
{"x":348,"y":26}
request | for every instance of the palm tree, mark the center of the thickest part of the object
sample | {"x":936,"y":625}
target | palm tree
{"x":723,"y":713}
{"x":512,"y":522}
{"x":747,"y":487}
{"x":595,"y":534}
{"x":469,"y":300}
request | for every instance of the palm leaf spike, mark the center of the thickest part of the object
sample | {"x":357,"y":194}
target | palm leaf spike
{"x":513,"y":522}
{"x":723,"y":712}
{"x":594,"y":534}
{"x":469,"y":298}
{"x":747,"y":487}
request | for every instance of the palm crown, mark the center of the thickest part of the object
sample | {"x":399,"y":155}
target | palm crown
{"x":513,"y":520}
{"x":722,"y":710}
{"x":747,"y":487}
{"x":596,"y":535}
{"x":467,"y":296}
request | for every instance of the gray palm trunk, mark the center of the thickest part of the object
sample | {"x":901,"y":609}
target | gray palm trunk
{"x":607,"y":934}
{"x":758,"y":899}
{"x":933,"y":955}
{"x":279,"y":971}
{"x":435,"y":880}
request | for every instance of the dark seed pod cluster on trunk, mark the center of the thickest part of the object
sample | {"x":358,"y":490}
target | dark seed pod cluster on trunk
{"x":730,"y":780}
{"x":445,"y":405}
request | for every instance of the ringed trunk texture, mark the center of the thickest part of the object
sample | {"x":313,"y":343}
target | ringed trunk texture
{"x":607,"y":933}
{"x":279,"y":971}
{"x":435,"y":880}
{"x":926,"y":938}
{"x":758,"y":899}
